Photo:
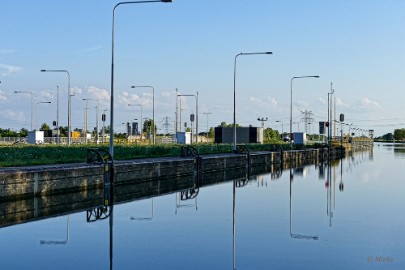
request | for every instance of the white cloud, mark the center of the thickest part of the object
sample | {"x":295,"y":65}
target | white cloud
{"x":76,"y":90}
{"x":97,"y":93}
{"x":366,"y":103}
{"x":10,"y":69}
{"x":126,"y":98}
{"x":302,"y":104}
{"x":13,"y":115}
{"x":340,"y":103}
{"x":267,"y":102}
{"x":2,"y":96}
{"x":321,"y":101}
{"x":45,"y":95}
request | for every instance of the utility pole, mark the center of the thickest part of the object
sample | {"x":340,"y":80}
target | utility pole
{"x":207,"y":113}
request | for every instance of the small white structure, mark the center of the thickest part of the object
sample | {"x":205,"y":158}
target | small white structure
{"x":35,"y":137}
{"x":183,"y":137}
{"x":300,"y":138}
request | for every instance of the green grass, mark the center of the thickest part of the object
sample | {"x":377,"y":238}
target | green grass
{"x":25,"y":155}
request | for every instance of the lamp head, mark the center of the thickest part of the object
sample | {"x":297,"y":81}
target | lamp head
{"x":166,"y":1}
{"x":43,"y":70}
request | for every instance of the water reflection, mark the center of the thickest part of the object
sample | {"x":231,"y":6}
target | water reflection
{"x":147,"y":217}
{"x":185,"y":196}
{"x":289,"y":226}
{"x":296,"y":235}
{"x":59,"y":242}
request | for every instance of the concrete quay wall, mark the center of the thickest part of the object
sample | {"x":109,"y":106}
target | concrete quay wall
{"x":56,"y":179}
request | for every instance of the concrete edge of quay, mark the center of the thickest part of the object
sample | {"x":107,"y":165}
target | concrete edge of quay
{"x":23,"y":182}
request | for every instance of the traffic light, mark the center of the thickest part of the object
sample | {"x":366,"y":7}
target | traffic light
{"x":327,"y":124}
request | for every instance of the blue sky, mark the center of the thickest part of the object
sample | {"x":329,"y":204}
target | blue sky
{"x":190,"y":45}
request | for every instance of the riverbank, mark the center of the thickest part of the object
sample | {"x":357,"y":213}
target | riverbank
{"x":31,"y":181}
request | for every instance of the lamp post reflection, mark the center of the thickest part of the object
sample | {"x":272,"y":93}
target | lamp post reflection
{"x":294,"y":235}
{"x":237,"y":183}
{"x":58,"y":242}
{"x":329,"y":185}
{"x":144,"y":218}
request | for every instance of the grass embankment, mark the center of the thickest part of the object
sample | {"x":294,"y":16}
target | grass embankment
{"x":25,"y":155}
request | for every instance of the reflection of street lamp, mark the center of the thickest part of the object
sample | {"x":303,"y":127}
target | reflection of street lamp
{"x":112,"y":68}
{"x":144,"y":218}
{"x":27,"y":92}
{"x":234,"y":93}
{"x":299,"y":77}
{"x":58,"y":242}
{"x":153,"y":107}
{"x":36,"y":111}
{"x":69,"y":101}
{"x":293,"y":235}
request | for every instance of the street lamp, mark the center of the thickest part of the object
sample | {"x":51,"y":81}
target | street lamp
{"x":330,"y":112}
{"x":262,"y":120}
{"x":27,"y":92}
{"x":112,"y":68}
{"x":292,"y":79}
{"x":97,"y":108}
{"x":36,"y":111}
{"x":207,"y":113}
{"x":196,"y":118}
{"x":282,"y":126}
{"x":153,"y":107}
{"x":140,"y":122}
{"x":69,"y":101}
{"x":234,"y":93}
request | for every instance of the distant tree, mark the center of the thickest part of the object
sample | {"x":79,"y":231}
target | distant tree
{"x":188,"y":129}
{"x":45,"y":126}
{"x":211,"y":133}
{"x":271,"y":135}
{"x":399,"y":134}
{"x":224,"y":124}
{"x":63,"y":131}
{"x":8,"y":133}
{"x":23,"y":132}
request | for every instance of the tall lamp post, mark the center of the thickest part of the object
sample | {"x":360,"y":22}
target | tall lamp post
{"x":234,"y":92}
{"x":292,"y":79}
{"x":282,"y":127}
{"x":112,"y":68}
{"x":153,"y":107}
{"x":97,"y":108}
{"x":69,"y":101}
{"x":330,"y":112}
{"x":27,"y":92}
{"x":207,"y":113}
{"x":196,"y":118}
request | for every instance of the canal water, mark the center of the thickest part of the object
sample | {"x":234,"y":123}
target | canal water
{"x":349,"y":215}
